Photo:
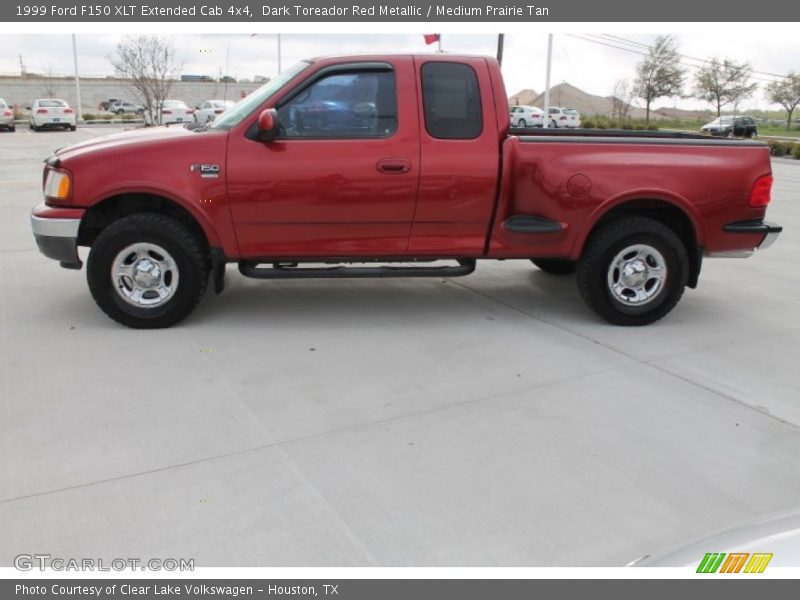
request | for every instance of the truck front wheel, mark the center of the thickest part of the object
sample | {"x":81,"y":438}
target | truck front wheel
{"x":147,"y":271}
{"x":633,"y":271}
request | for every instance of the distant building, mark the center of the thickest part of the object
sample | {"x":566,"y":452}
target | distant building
{"x":196,"y":78}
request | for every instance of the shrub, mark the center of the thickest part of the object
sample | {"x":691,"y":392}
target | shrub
{"x":652,"y":127}
{"x":588,"y":124}
{"x":780,"y":148}
{"x":796,"y":151}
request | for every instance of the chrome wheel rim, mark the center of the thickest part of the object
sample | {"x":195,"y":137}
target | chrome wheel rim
{"x":144,"y":275}
{"x":636,"y":275}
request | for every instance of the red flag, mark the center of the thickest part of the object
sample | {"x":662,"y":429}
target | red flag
{"x":431,"y":38}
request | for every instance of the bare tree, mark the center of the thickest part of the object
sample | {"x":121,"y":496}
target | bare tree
{"x":150,"y":64}
{"x":660,"y":73}
{"x":786,"y":93}
{"x":621,"y":101}
{"x":723,"y":82}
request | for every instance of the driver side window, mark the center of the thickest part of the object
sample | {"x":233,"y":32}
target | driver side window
{"x":360,"y":104}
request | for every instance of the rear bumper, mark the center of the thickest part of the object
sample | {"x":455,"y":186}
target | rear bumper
{"x":56,"y":234}
{"x":767,"y":232}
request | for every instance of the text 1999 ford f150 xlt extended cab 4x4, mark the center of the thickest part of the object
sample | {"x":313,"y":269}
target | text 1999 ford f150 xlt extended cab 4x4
{"x":390,"y":163}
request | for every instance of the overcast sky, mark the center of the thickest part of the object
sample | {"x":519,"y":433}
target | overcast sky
{"x":589,"y":65}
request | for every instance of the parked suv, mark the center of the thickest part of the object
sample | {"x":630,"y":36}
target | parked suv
{"x":122,"y":107}
{"x":105,"y":105}
{"x":563,"y":117}
{"x":731,"y":127}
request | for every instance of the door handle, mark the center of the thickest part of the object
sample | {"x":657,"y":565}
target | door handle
{"x":393,"y":166}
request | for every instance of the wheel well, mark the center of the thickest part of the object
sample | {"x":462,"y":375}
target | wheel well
{"x":670,"y":215}
{"x":101,"y":215}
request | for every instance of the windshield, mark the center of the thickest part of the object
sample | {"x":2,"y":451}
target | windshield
{"x":571,"y":112}
{"x":237,"y":113}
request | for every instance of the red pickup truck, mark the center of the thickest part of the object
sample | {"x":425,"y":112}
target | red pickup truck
{"x":379,"y":166}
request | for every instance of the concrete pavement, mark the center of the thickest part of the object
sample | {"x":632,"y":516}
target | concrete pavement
{"x":491,"y":420}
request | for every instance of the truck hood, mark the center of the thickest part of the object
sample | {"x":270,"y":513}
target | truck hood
{"x":145,"y":136}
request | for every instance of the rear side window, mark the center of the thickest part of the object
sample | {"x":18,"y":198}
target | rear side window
{"x":452,"y":101}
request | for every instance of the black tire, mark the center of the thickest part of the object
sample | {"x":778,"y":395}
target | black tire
{"x":522,"y":123}
{"x":13,"y":128}
{"x":555,"y":266}
{"x":73,"y":127}
{"x":595,"y":268}
{"x":176,"y":239}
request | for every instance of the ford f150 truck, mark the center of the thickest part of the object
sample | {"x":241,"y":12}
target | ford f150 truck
{"x":379,"y":166}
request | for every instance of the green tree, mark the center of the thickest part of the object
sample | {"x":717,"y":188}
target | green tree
{"x":660,"y":73}
{"x":786,"y":93}
{"x":723,"y":82}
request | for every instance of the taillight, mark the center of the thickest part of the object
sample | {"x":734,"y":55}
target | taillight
{"x":190,"y":111}
{"x":166,"y":112}
{"x":219,"y":111}
{"x":68,"y":111}
{"x":8,"y":113}
{"x":563,"y":118}
{"x":41,"y":111}
{"x":761,"y":193}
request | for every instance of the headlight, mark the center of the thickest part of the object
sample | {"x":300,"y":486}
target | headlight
{"x":57,"y":185}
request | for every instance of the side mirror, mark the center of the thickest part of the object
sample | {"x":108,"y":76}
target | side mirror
{"x":268,"y":124}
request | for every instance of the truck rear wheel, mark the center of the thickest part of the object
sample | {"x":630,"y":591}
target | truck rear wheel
{"x":555,"y":266}
{"x":633,"y":271}
{"x":147,"y":271}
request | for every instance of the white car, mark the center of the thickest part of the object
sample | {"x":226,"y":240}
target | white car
{"x":563,"y":117}
{"x":209,"y":110}
{"x":526,"y":116}
{"x":6,"y":116}
{"x":171,"y":111}
{"x":772,"y":540}
{"x":52,"y":113}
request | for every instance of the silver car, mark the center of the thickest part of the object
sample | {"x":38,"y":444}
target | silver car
{"x":6,"y":116}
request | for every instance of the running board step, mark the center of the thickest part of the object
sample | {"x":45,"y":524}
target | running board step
{"x":280,"y":270}
{"x":532,"y":224}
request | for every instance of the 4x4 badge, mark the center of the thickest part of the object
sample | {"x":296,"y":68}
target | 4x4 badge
{"x":206,"y":171}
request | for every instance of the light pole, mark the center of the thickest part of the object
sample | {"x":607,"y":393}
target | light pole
{"x":546,"y":120}
{"x":77,"y":79}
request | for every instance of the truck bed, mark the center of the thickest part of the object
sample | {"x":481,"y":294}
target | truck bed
{"x":624,"y":136}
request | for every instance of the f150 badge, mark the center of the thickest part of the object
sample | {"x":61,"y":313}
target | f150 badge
{"x":206,"y":171}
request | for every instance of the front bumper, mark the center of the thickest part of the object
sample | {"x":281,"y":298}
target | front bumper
{"x":769,"y":233}
{"x":56,"y":234}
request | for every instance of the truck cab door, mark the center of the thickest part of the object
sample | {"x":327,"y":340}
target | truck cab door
{"x":460,"y":157}
{"x":341,"y":178}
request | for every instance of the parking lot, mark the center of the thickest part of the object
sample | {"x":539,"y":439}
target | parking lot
{"x":489,"y":421}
